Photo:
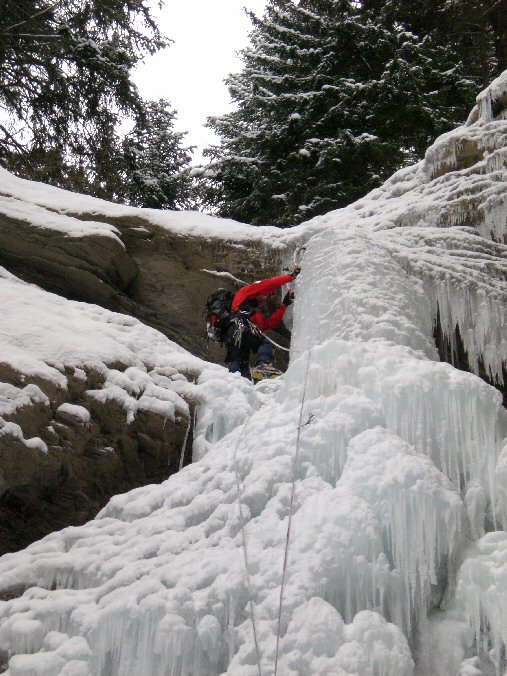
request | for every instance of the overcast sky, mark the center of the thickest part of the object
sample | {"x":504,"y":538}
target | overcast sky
{"x":207,"y":34}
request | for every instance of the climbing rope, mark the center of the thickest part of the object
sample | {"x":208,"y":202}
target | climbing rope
{"x":289,"y":524}
{"x":256,"y":330}
{"x":245,"y":550}
{"x":280,"y":347}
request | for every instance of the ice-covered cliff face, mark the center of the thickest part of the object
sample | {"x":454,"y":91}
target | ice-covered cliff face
{"x":348,"y":518}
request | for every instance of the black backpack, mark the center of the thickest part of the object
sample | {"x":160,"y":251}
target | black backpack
{"x":218,"y":312}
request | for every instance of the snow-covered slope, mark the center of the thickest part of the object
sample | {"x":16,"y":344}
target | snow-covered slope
{"x":348,"y":518}
{"x":92,"y":403}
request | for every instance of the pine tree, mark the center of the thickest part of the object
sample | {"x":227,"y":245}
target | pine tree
{"x":155,"y":163}
{"x":65,"y":86}
{"x":334,"y":96}
{"x":475,"y":30}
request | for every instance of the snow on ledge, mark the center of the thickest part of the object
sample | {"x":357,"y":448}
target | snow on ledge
{"x":185,"y":223}
{"x":44,"y":219}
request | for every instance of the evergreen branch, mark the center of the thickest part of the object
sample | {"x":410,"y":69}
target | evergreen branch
{"x":14,"y":142}
{"x":490,"y":9}
{"x":33,"y":16}
{"x":32,"y":35}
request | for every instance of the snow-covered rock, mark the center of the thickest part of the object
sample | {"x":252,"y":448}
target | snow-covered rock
{"x":158,"y":266}
{"x":92,"y":403}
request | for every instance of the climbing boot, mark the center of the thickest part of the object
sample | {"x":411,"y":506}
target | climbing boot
{"x":263,"y":372}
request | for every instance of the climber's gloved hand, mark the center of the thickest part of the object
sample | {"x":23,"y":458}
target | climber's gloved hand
{"x":288,"y":298}
{"x":296,"y":271}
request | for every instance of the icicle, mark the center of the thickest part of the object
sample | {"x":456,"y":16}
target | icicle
{"x":184,"y":445}
{"x":482,"y":595}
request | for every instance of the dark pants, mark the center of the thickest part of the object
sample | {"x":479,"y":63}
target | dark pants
{"x":238,"y":356}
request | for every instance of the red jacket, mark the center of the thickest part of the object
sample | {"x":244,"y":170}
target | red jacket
{"x":260,"y":290}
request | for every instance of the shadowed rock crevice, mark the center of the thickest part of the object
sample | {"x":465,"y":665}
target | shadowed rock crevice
{"x":457,"y":356}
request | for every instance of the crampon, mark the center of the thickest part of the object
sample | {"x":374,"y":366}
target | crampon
{"x":264,"y":372}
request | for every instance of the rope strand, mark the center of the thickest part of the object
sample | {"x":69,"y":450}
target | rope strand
{"x":287,"y":540}
{"x":245,"y":550}
{"x":184,"y":446}
{"x":256,"y":331}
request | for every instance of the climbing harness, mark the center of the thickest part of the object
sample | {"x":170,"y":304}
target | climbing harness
{"x":240,"y":325}
{"x":245,"y":550}
{"x":243,"y":324}
{"x":289,"y":524}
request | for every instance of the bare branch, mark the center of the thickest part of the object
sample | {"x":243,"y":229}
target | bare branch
{"x":32,"y":35}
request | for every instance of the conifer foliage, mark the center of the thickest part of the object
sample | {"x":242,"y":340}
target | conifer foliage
{"x":334,"y":96}
{"x":476,"y":30}
{"x":65,"y":88}
{"x":156,"y":174}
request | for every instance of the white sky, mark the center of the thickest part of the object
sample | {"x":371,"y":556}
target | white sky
{"x":207,"y":34}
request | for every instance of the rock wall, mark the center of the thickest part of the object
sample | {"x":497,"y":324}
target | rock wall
{"x":158,"y":276}
{"x":175,"y":275}
{"x":92,"y":454}
{"x":126,"y":264}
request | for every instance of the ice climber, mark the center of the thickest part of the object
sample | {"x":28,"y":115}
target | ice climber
{"x":248,"y":316}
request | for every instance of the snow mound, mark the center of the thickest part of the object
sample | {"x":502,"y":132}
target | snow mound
{"x":63,"y":336}
{"x":56,"y":209}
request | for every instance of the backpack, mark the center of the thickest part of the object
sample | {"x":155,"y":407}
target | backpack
{"x":218,"y":311}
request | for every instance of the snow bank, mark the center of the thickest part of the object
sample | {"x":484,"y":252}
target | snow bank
{"x":42,"y":218}
{"x":43,"y":335}
{"x":55,"y":208}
